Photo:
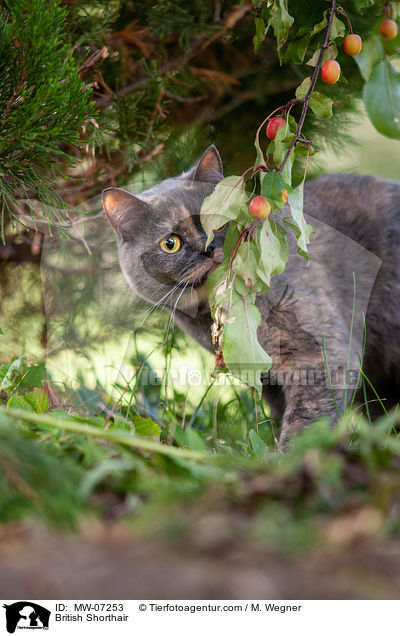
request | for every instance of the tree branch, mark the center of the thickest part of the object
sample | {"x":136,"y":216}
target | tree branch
{"x":196,"y":47}
{"x":312,"y":85}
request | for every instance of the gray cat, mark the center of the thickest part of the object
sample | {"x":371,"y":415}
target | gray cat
{"x":313,"y":317}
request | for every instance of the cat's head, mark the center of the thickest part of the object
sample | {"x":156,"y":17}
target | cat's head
{"x":161,"y":243}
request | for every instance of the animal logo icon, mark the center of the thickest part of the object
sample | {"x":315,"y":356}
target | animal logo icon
{"x":26,"y":615}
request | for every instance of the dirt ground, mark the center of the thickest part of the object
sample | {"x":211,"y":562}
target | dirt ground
{"x":107,"y":561}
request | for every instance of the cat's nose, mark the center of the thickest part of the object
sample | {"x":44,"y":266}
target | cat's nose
{"x":211,"y":247}
{"x":215,"y":253}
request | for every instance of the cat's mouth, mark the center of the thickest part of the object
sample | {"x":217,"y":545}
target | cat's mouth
{"x":194,"y":294}
{"x":200,"y":273}
{"x":199,"y":276}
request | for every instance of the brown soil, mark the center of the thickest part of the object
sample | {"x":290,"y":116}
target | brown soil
{"x":108,"y":561}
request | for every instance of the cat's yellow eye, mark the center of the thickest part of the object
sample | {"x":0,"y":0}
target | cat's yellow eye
{"x":171,"y":244}
{"x":222,"y":228}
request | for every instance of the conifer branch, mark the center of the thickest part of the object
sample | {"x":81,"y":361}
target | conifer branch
{"x":16,"y":92}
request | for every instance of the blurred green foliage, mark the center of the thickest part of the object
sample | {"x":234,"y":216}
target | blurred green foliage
{"x":205,"y":459}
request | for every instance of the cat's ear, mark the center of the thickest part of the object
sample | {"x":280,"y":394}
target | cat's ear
{"x":209,"y":168}
{"x":123,"y":210}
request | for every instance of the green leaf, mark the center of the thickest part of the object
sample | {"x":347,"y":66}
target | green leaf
{"x":272,"y":185}
{"x":243,"y":354}
{"x":302,"y":151}
{"x":362,"y":4}
{"x":382,"y":99}
{"x":20,"y":402}
{"x":226,"y":203}
{"x":320,"y":25}
{"x":302,"y":90}
{"x":245,"y":265}
{"x":274,"y":250}
{"x":145,"y":426}
{"x":371,"y":53}
{"x":195,"y":441}
{"x":1,"y":332}
{"x":216,"y":285}
{"x":260,"y":33}
{"x":281,"y":22}
{"x":39,"y":400}
{"x":231,"y":237}
{"x":258,"y":445}
{"x":259,"y":153}
{"x":321,"y":105}
{"x":328,"y":54}
{"x":101,"y":471}
{"x":297,"y":49}
{"x":284,"y":134}
{"x":297,"y":222}
{"x":14,"y":371}
{"x":287,"y":170}
{"x":277,"y":150}
{"x":35,"y":375}
{"x":338,"y":29}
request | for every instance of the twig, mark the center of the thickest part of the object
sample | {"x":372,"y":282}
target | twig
{"x":93,"y":60}
{"x":210,"y":114}
{"x":197,"y":46}
{"x":54,"y":399}
{"x":258,"y":7}
{"x":184,"y":100}
{"x":312,"y":86}
{"x":111,"y":176}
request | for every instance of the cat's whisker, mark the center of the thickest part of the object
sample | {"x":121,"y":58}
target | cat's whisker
{"x":164,"y":298}
{"x":157,"y":305}
{"x":172,"y":316}
{"x":175,"y":288}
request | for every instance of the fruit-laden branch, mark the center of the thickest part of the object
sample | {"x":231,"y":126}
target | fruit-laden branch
{"x":312,"y":85}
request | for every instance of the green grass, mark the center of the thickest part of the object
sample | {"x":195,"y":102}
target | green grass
{"x":163,"y":462}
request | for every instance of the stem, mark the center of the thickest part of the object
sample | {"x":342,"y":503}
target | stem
{"x":330,"y":49}
{"x":257,"y":168}
{"x":246,"y":233}
{"x":312,"y":86}
{"x":117,"y":437}
{"x":285,"y":109}
{"x":341,"y":12}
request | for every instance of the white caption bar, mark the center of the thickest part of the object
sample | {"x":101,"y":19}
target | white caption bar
{"x":176,"y":618}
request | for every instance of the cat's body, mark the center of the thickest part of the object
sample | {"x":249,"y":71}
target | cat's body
{"x":312,"y":317}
